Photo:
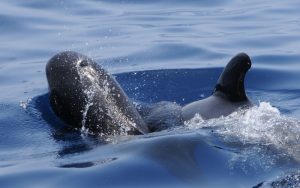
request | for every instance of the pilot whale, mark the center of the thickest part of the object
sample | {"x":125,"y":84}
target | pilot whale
{"x":85,"y":96}
{"x":228,"y":95}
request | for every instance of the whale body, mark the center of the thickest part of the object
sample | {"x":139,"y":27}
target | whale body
{"x":87,"y":97}
{"x":228,"y":95}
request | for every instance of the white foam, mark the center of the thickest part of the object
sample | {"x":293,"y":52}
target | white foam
{"x":24,"y":104}
{"x":260,"y":125}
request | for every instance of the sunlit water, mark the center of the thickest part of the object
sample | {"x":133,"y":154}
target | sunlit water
{"x":159,"y":51}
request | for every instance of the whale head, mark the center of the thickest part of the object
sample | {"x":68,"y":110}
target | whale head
{"x":230,"y":84}
{"x":67,"y":85}
{"x":87,"y":97}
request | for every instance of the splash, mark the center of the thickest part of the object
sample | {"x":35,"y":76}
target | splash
{"x":90,"y":92}
{"x":291,"y":180}
{"x":24,"y":104}
{"x":261,"y":125}
{"x":89,"y":75}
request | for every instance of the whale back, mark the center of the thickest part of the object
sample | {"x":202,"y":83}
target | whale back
{"x":87,"y":97}
{"x":229,"y":93}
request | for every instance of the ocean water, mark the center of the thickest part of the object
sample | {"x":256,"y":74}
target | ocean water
{"x":167,"y":50}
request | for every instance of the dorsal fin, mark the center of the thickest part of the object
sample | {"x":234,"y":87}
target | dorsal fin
{"x":231,"y":82}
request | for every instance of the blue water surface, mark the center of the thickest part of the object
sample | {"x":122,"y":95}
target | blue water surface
{"x":159,"y":50}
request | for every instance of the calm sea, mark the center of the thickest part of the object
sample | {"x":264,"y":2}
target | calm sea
{"x":159,"y":50}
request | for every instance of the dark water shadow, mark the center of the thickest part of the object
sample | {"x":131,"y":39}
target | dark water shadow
{"x":88,"y":164}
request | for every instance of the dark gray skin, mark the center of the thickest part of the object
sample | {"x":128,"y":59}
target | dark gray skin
{"x":86,"y":97}
{"x":229,"y":93}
